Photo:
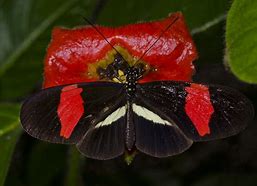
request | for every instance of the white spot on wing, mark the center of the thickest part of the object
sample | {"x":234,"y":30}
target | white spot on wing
{"x":149,"y":115}
{"x":117,"y":114}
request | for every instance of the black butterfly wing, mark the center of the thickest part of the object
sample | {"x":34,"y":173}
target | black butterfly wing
{"x":63,"y":114}
{"x":169,"y":116}
{"x":105,"y":139}
{"x":201,"y":112}
{"x":156,"y":135}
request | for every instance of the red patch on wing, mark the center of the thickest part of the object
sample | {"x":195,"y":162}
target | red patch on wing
{"x":70,"y":109}
{"x":199,"y":107}
{"x":71,"y":51}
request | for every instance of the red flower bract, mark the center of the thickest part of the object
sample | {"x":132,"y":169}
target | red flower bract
{"x":72,"y":53}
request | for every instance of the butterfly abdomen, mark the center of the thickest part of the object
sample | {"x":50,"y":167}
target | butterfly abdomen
{"x":130,"y":135}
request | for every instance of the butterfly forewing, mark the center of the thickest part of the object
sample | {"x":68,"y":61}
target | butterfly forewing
{"x":201,"y":112}
{"x":63,"y":114}
{"x":232,"y":112}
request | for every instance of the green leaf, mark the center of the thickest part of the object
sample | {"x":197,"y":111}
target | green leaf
{"x":25,"y":30}
{"x":9,"y":133}
{"x":241,"y":39}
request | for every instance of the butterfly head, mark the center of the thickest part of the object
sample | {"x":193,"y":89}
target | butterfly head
{"x":121,"y":72}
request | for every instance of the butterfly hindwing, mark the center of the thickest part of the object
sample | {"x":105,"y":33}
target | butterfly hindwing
{"x":105,"y":139}
{"x":63,"y":114}
{"x":156,"y":135}
{"x":201,"y":112}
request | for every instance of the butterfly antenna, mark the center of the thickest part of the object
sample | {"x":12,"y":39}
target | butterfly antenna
{"x":100,"y":33}
{"x":161,"y":34}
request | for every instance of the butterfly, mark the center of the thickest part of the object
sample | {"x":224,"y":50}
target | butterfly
{"x":161,"y":118}
{"x":120,"y":114}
